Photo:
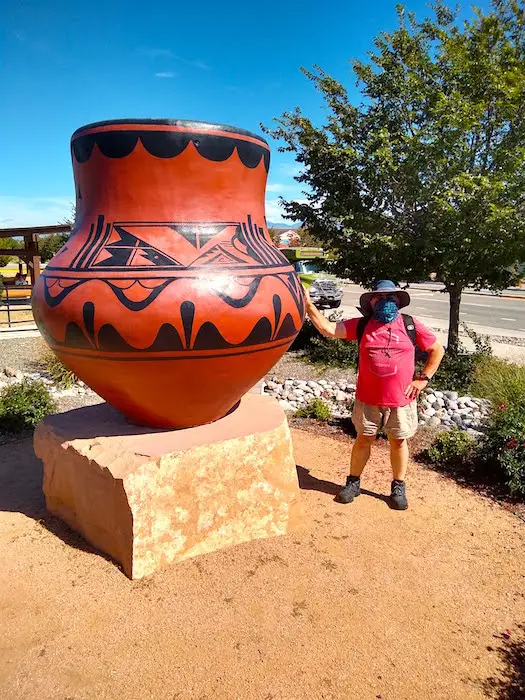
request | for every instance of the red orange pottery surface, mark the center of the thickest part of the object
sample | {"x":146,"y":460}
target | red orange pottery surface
{"x":169,"y":299}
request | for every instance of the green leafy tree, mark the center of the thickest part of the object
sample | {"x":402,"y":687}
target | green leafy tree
{"x":51,"y":244}
{"x":308,"y":240}
{"x":274,"y":235}
{"x":427,"y":173}
{"x":10,"y":243}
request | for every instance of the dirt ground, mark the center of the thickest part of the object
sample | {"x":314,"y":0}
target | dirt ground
{"x":363,"y":602}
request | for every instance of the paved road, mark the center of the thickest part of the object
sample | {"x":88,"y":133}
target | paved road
{"x":476,"y":309}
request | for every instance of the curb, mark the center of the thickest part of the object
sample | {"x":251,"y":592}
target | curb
{"x":473,"y":292}
{"x":466,"y":291}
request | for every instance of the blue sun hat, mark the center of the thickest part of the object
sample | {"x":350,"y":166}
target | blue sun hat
{"x":383,"y":287}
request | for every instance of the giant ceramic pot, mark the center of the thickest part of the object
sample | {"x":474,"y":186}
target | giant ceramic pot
{"x":169,"y":299}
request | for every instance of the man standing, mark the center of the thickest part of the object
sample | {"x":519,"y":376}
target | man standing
{"x":387,"y":391}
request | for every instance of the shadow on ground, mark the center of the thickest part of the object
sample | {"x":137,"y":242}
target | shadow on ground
{"x":510,"y":685}
{"x":308,"y":482}
{"x":21,"y":492}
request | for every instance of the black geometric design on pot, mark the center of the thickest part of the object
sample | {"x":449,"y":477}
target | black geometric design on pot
{"x":131,"y":251}
{"x":287,"y":328}
{"x":154,"y":292}
{"x":293,"y":285}
{"x":187,"y":313}
{"x":169,"y":144}
{"x":244,"y":300}
{"x":120,"y":246}
{"x":88,"y":316}
{"x":168,"y":339}
{"x":219,"y":255}
{"x":198,"y":234}
{"x":261,"y":333}
{"x":52,"y":283}
{"x":210,"y":338}
{"x":277,"y":309}
{"x":76,"y":338}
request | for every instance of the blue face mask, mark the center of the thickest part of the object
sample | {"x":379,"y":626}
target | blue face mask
{"x":385,"y":310}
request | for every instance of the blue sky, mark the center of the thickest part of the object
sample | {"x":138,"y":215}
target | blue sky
{"x":67,"y":63}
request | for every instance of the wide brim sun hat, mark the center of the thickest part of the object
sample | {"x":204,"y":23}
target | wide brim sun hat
{"x":383,"y":287}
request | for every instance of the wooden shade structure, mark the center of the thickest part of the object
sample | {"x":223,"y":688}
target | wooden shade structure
{"x":29,"y":253}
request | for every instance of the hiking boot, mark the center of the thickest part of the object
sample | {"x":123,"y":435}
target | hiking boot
{"x":398,"y":497}
{"x":351,"y":490}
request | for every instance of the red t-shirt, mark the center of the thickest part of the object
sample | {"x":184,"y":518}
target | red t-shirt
{"x":387,"y":360}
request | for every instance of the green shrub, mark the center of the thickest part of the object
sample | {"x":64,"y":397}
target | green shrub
{"x":457,"y":372}
{"x":332,"y":353}
{"x":453,"y":450}
{"x":504,"y":446}
{"x":24,"y":405}
{"x":499,"y":381}
{"x":63,"y":377}
{"x":317,"y":409}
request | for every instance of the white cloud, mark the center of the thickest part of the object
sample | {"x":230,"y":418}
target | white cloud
{"x":165,"y":75}
{"x":33,"y":211}
{"x":276,"y":187}
{"x":274,"y":211}
{"x":167,"y":53}
{"x":290,"y":169}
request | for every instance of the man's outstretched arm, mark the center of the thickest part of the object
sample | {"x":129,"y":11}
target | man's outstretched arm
{"x":327,"y":328}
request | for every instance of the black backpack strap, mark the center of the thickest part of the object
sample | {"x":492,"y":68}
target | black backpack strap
{"x":421,"y":357}
{"x":361,"y":325}
{"x":360,"y":331}
{"x":410,"y":328}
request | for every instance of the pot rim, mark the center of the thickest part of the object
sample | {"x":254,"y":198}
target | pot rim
{"x":188,"y":124}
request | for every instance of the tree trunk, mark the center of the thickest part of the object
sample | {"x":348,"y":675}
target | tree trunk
{"x":455,"y":292}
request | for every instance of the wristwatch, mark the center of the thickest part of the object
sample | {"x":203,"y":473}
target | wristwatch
{"x":423,"y":378}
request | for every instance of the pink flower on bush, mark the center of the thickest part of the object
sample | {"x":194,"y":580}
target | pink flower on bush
{"x":511,"y":444}
{"x":502,"y":406}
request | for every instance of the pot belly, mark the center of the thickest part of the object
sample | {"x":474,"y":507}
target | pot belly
{"x":170,"y":352}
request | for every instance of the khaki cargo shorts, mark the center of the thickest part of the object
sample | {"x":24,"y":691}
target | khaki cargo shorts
{"x":398,"y":423}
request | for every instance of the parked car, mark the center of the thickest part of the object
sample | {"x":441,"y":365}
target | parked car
{"x":324,"y":292}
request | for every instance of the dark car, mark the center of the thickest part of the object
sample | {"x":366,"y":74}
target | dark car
{"x":324,"y":292}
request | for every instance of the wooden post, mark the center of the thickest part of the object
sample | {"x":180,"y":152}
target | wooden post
{"x":33,"y":258}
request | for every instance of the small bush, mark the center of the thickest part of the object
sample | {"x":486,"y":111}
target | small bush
{"x":63,"y":377}
{"x":24,"y":405}
{"x":315,"y":409}
{"x":332,"y":353}
{"x":457,"y":372}
{"x":453,"y":450}
{"x":499,"y":381}
{"x":504,"y":447}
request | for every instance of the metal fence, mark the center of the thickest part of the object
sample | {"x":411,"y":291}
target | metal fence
{"x":13,"y":299}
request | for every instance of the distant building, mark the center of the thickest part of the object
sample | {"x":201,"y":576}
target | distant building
{"x":287,"y":237}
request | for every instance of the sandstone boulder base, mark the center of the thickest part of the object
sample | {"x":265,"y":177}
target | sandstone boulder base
{"x":149,"y":498}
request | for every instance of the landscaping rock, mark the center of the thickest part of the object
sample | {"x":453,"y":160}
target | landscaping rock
{"x":443,"y":409}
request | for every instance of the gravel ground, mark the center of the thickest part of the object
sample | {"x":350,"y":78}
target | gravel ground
{"x":22,"y":353}
{"x":291,"y":365}
{"x":362,"y":602}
